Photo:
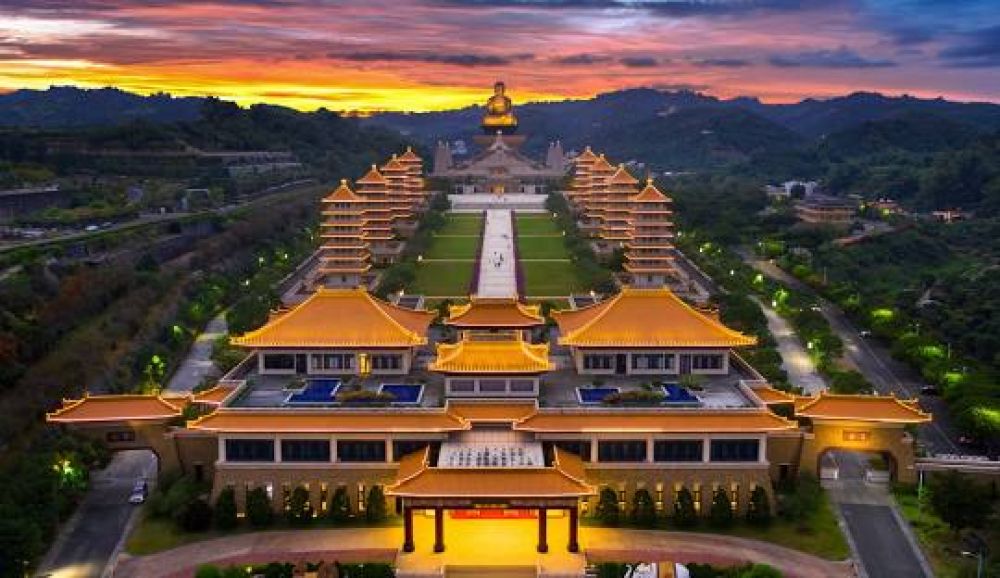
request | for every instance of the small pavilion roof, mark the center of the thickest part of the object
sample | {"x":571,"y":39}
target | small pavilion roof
{"x":877,"y":408}
{"x":393,"y":166}
{"x":587,"y":156}
{"x":417,"y":479}
{"x":623,"y":177}
{"x":342,"y":193}
{"x":495,"y":312}
{"x":410,"y":156}
{"x":372,"y":177}
{"x":342,"y":318}
{"x":658,"y":421}
{"x":486,"y":356}
{"x":351,"y":421}
{"x":644,"y":318}
{"x":650,"y":193}
{"x":601,"y":165}
{"x":115,"y":408}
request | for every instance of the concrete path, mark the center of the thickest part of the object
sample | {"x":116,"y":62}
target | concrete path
{"x":795,"y":358}
{"x":198,"y":363}
{"x":598,"y":543}
{"x":497,"y":269}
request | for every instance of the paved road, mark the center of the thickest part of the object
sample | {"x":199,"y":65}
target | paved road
{"x":92,"y":535}
{"x":877,"y":365}
{"x":795,"y":359}
{"x":497,"y":277}
{"x":198,"y":364}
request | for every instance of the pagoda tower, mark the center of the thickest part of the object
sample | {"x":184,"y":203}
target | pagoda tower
{"x":398,"y":179}
{"x":615,"y":208}
{"x":649,"y":255}
{"x":414,"y":182}
{"x":344,"y":258}
{"x":579,"y":187}
{"x":380,"y":215}
{"x":593,"y":210}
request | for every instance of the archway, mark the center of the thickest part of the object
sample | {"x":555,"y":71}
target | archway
{"x":842,"y":463}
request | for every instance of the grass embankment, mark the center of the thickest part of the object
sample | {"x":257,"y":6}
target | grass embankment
{"x":447,"y":265}
{"x":545,"y":261}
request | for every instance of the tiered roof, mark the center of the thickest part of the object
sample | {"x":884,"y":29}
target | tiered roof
{"x":342,"y":318}
{"x":510,"y":356}
{"x":327,"y":421}
{"x":483,"y":312}
{"x":115,"y":408}
{"x":880,"y":408}
{"x":644,"y":318}
{"x":343,"y":230}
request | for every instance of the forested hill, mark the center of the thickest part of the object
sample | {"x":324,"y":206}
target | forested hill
{"x":65,"y":106}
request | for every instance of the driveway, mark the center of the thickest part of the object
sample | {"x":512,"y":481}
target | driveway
{"x":198,"y":363}
{"x":794,"y":358}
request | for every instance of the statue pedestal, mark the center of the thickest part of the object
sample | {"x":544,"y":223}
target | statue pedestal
{"x":513,"y":141}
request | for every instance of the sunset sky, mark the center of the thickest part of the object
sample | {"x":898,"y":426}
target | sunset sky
{"x":434,"y":54}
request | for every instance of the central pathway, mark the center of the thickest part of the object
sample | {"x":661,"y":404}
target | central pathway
{"x":497,"y":267}
{"x":795,"y":359}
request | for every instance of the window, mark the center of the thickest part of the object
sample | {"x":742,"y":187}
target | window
{"x":659,"y":497}
{"x":250,"y":450}
{"x":332,"y":361}
{"x":324,"y":494}
{"x":120,"y":436}
{"x":597,"y":361}
{"x":734,"y":494}
{"x":279,"y":361}
{"x":305,"y":450}
{"x":677,"y":450}
{"x":522,"y":385}
{"x":735,"y":450}
{"x":493,"y":385}
{"x":578,"y":447}
{"x":387,"y":361}
{"x":361,"y":497}
{"x":361,"y":450}
{"x":707,"y":361}
{"x":652,"y":361}
{"x":621,"y":451}
{"x":402,"y":447}
{"x":696,"y":494}
{"x":462,"y":385}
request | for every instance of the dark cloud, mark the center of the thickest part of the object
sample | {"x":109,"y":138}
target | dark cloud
{"x":582,"y":59}
{"x":840,"y":58}
{"x":722,"y":62}
{"x":680,"y":86}
{"x":911,"y":35}
{"x":638,"y":61}
{"x":979,"y":49}
{"x":668,"y":7}
{"x":433,"y":58}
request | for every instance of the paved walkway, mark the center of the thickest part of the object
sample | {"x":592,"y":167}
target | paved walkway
{"x":794,"y":358}
{"x":198,"y":363}
{"x":613,"y":544}
{"x":497,"y":269}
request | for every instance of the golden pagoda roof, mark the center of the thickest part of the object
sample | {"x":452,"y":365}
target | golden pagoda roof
{"x":323,"y":421}
{"x":410,"y":156}
{"x":486,"y":356}
{"x":601,"y":165}
{"x":589,"y":420}
{"x":650,"y":193}
{"x":342,"y":193}
{"x":372,"y":177}
{"x":586,"y":156}
{"x":623,"y":177}
{"x":342,"y":318}
{"x":416,"y":478}
{"x":393,"y":165}
{"x":494,"y":312}
{"x":114,"y":408}
{"x":878,"y":408}
{"x":644,"y":318}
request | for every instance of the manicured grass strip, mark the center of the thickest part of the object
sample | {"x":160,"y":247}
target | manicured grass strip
{"x":462,"y":225}
{"x":442,"y":278}
{"x":452,"y":248}
{"x":541,"y":247}
{"x":551,"y":278}
{"x":537,"y":225}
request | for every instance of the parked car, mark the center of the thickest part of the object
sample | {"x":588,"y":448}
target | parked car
{"x":930,"y":390}
{"x":139,"y":492}
{"x":865,"y":333}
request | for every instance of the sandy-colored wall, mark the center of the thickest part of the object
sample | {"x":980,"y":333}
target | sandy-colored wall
{"x":860,"y":436}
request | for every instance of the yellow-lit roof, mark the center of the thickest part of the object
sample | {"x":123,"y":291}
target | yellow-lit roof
{"x":215,"y":395}
{"x":623,"y":177}
{"x":878,"y":408}
{"x":491,"y":410}
{"x":494,"y":312}
{"x":769,"y":395}
{"x":113,"y":408}
{"x":372,"y":177}
{"x":508,"y":356}
{"x":357,"y":421}
{"x":644,"y":318}
{"x":410,"y":156}
{"x":601,"y":165}
{"x":650,"y":193}
{"x":393,"y":165}
{"x":587,"y":420}
{"x":342,"y":193}
{"x":342,"y":318}
{"x":587,"y":156}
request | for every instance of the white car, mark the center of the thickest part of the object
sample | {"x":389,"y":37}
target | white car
{"x":139,"y":491}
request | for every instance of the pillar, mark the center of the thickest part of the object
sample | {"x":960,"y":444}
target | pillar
{"x":574,"y":526}
{"x":408,"y":529}
{"x":543,"y":522}
{"x":439,"y":529}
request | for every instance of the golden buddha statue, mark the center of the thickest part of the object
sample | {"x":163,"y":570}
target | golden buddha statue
{"x":499,"y":115}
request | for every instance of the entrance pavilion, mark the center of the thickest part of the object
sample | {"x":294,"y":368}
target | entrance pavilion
{"x":491,"y":479}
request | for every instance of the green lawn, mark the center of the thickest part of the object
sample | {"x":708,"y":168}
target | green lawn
{"x":550,"y":278}
{"x":452,"y":248}
{"x":443,"y":278}
{"x":153,"y":535}
{"x":536,"y":225}
{"x":462,"y":225}
{"x":541,"y":248}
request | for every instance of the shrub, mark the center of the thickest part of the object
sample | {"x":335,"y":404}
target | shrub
{"x":225,"y":510}
{"x":634,"y":397}
{"x":721,"y":515}
{"x":340,"y":505}
{"x":801,"y":499}
{"x":685,"y":515}
{"x":195,"y":516}
{"x":365,"y":396}
{"x":643,"y":509}
{"x":366,"y":570}
{"x":259,"y":511}
{"x":208,"y":571}
{"x":608,"y":511}
{"x":759,"y":508}
{"x":173,"y":496}
{"x":375,"y":509}
{"x":300,"y":511}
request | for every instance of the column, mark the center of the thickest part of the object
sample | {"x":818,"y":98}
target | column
{"x":543,"y":522}
{"x":407,"y":529}
{"x":439,"y":529}
{"x":574,"y":524}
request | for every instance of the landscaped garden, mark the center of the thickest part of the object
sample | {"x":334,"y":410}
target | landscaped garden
{"x":545,"y":260}
{"x":446,"y":267}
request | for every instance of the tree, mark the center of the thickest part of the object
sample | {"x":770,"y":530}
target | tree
{"x":208,"y":571}
{"x":259,"y":508}
{"x":375,"y":509}
{"x":608,"y":511}
{"x":643,"y":509}
{"x":757,"y":571}
{"x":195,"y":516}
{"x":759,"y":508}
{"x":300,"y":511}
{"x":225,"y":509}
{"x":960,"y":501}
{"x":721,"y":514}
{"x":340,"y":505}
{"x":685,"y":515}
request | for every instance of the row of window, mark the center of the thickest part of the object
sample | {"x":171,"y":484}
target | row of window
{"x":331,"y":361}
{"x":624,"y":451}
{"x":652,"y":361}
{"x":665,"y":361}
{"x":262,"y":450}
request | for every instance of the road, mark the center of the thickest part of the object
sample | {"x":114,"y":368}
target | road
{"x":92,"y":535}
{"x":794,"y":358}
{"x":198,"y":363}
{"x":877,"y":365}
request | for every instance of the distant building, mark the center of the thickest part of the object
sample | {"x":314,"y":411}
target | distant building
{"x":17,"y":202}
{"x":822,"y":209}
{"x":886,"y":207}
{"x":950,"y":215}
